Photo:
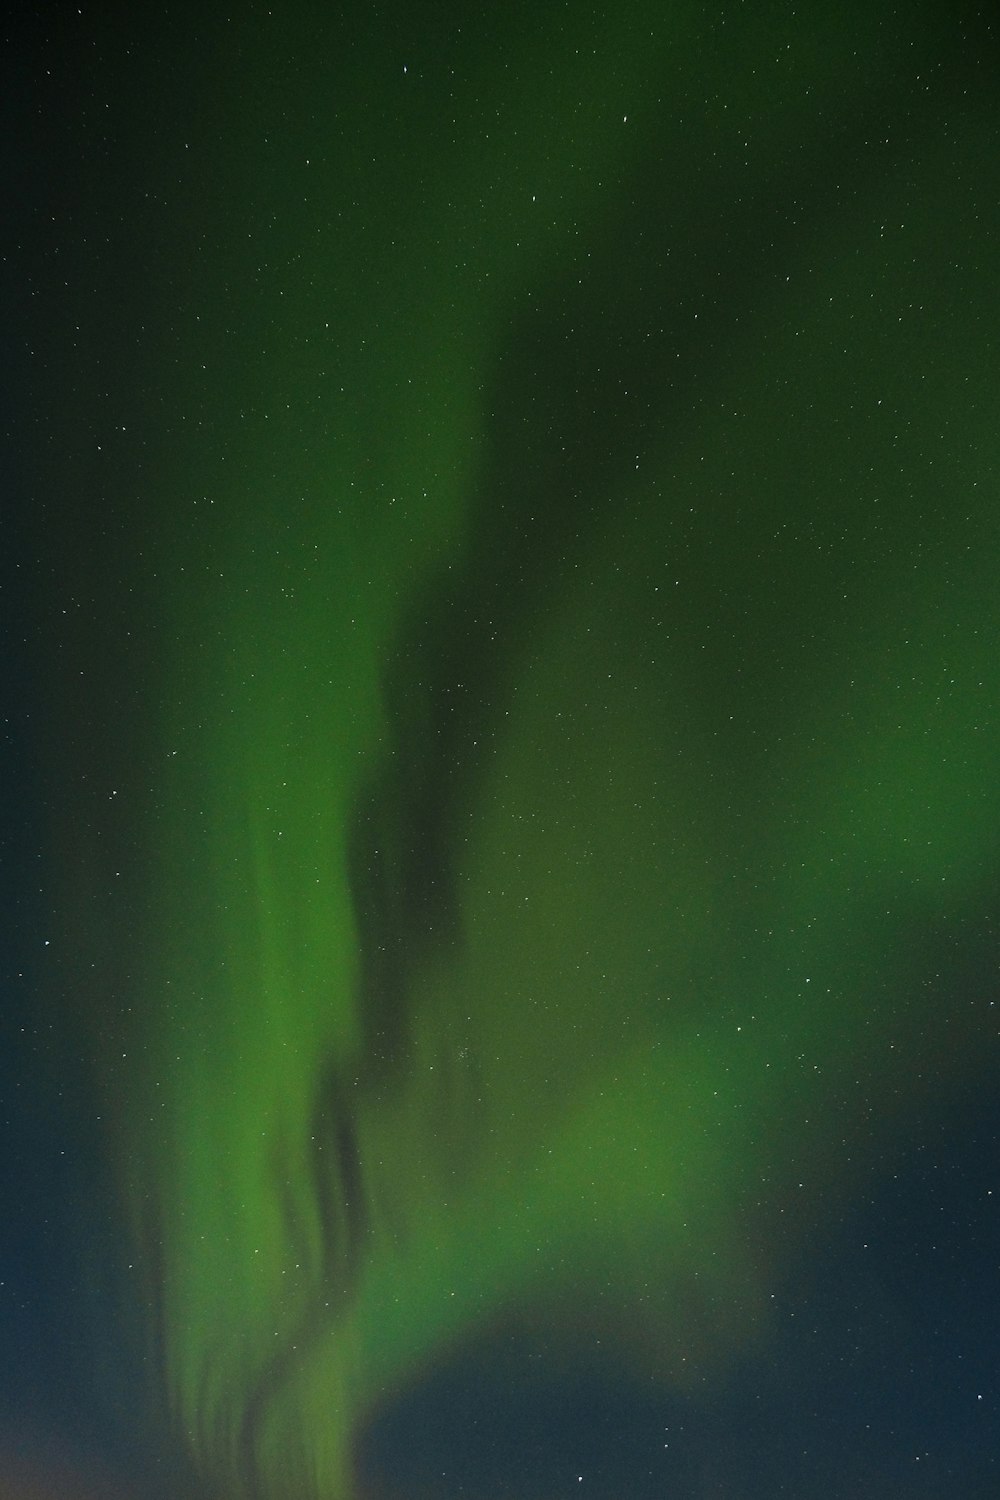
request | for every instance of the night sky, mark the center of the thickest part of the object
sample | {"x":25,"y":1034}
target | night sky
{"x":500,"y":786}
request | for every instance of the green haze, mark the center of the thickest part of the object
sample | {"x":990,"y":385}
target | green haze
{"x":571,"y":510}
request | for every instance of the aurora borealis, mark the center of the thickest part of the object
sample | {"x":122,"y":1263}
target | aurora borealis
{"x":501,"y":780}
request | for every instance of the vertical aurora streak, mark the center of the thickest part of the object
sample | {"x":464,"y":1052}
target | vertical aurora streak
{"x":555,"y":499}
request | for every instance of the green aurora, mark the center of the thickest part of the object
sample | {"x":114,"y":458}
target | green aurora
{"x":550,"y":470}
